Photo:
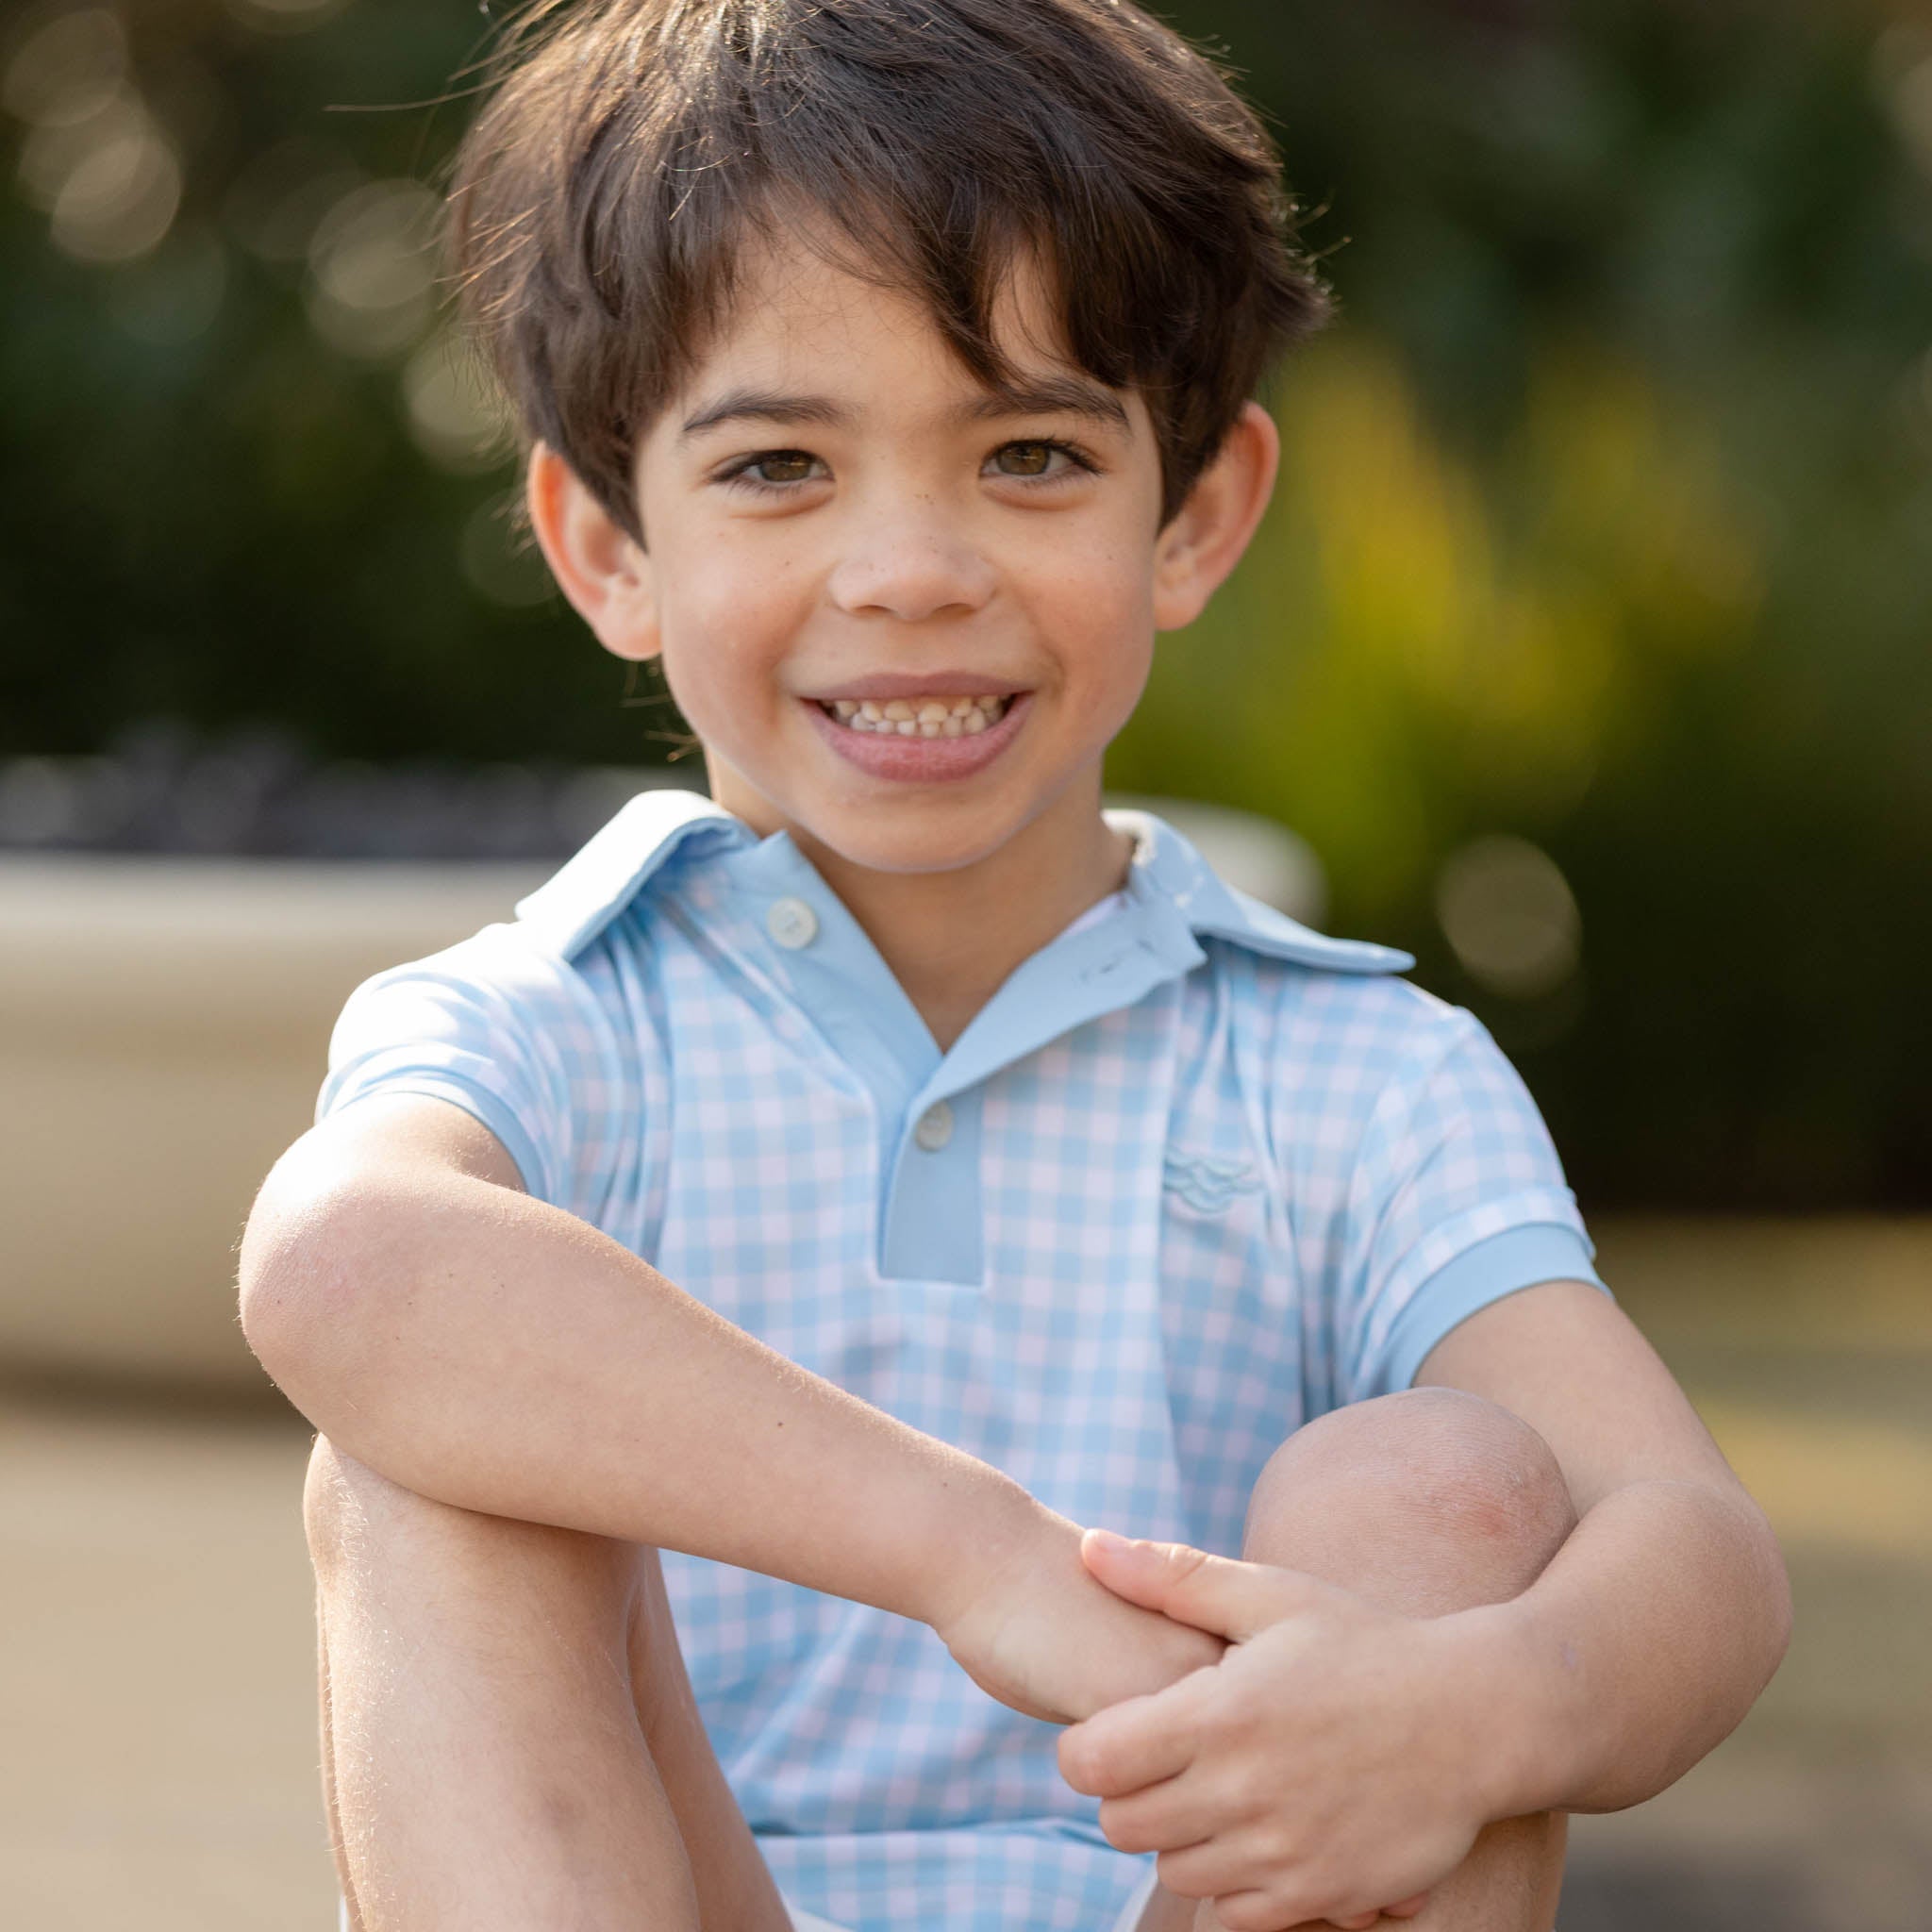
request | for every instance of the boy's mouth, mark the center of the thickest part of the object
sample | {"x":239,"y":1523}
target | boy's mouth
{"x":933,"y":717}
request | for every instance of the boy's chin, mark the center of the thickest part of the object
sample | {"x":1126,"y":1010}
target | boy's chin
{"x":911,"y":839}
{"x":905,"y":850}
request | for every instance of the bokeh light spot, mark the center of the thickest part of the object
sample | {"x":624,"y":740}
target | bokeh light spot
{"x":457,"y":415}
{"x":285,"y":16}
{"x":121,"y":197}
{"x":1509,"y":916}
{"x":372,"y":268}
{"x":1902,"y":72}
{"x":55,"y":149}
{"x":67,"y":69}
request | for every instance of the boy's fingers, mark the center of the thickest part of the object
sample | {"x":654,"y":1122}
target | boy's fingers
{"x":1217,"y":1595}
{"x":1126,"y":1747}
{"x":1407,"y":1910}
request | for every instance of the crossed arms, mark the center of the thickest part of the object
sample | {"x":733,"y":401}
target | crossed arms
{"x":396,"y":1282}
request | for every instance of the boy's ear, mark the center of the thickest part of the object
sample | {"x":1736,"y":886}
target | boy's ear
{"x":1193,"y":555}
{"x":598,"y":565}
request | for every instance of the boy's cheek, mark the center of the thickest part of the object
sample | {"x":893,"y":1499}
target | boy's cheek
{"x":727,"y":618}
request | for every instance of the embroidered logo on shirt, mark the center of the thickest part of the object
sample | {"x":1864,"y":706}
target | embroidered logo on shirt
{"x":1207,"y":1182}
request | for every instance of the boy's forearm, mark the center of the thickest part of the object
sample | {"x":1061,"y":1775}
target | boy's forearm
{"x":490,"y":1351}
{"x":1640,"y":1648}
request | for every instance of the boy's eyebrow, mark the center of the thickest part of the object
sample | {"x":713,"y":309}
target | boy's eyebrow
{"x":1046,"y":396}
{"x":1049,"y":395}
{"x":765,"y":405}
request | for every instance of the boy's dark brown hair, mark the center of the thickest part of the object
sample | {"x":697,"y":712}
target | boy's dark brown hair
{"x":601,"y":199}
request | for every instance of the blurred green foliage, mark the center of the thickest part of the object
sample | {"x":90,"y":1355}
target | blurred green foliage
{"x":1587,"y":640}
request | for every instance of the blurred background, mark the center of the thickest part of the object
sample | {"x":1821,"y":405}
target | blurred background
{"x":1584,"y":654}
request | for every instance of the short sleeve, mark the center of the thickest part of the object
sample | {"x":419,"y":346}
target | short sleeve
{"x":491,"y":1026}
{"x":1457,"y":1199}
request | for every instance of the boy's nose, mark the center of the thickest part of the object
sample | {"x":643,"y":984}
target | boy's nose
{"x":910,"y":567}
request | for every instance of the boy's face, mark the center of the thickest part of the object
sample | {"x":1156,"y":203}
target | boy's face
{"x":840,"y":518}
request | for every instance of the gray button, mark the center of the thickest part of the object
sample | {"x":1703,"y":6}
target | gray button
{"x":935,"y":1128}
{"x":792,"y":924}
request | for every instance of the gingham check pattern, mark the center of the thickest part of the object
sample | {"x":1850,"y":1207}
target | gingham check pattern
{"x":1257,"y":1190}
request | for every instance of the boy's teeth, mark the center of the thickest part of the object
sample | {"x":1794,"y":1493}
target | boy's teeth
{"x":962,"y":717}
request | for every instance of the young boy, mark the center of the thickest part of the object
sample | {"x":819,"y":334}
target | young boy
{"x":725,"y":1294}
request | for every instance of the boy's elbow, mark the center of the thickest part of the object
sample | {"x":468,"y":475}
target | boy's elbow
{"x":302,"y":1269}
{"x":1772,"y":1587}
{"x":1784,"y":1611}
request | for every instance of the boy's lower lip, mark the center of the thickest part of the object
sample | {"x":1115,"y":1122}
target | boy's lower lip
{"x":921,"y":761}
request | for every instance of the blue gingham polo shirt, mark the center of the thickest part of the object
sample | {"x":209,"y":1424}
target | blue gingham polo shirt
{"x":1194,"y":1176}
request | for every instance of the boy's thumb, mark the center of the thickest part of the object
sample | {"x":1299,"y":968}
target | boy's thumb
{"x":1224,"y":1598}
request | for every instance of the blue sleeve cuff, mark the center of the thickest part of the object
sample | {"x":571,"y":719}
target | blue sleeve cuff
{"x":474,"y":1101}
{"x":1519,"y":1258}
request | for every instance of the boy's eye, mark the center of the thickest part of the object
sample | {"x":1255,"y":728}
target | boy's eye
{"x":1040,"y":459}
{"x":1026,"y":458}
{"x":780,"y":466}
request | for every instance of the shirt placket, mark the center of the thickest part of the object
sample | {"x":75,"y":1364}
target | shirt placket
{"x":930,"y":1223}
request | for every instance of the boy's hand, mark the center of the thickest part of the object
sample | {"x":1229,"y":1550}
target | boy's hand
{"x":1035,"y":1629}
{"x":1335,"y":1757}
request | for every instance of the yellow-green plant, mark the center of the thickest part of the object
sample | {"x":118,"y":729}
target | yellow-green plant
{"x":1411,"y":649}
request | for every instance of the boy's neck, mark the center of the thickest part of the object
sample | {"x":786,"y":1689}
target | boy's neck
{"x":953,"y":938}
